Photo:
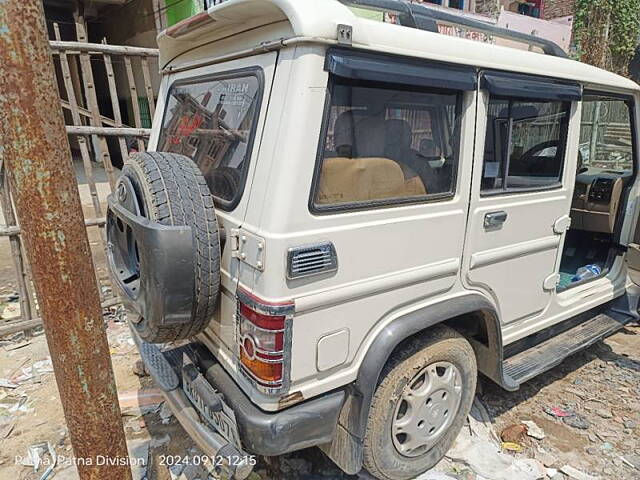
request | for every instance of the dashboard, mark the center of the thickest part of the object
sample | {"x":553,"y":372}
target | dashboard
{"x":596,"y":199}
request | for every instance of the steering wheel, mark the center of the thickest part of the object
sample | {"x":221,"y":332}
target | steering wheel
{"x":532,"y":158}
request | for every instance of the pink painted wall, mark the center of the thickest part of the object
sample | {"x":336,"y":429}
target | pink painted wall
{"x":557,"y":30}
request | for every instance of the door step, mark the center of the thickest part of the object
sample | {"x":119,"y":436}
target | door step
{"x":535,"y":360}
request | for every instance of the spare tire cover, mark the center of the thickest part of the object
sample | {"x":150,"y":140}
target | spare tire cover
{"x":171,"y":190}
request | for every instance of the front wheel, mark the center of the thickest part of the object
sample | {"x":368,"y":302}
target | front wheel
{"x":424,"y":395}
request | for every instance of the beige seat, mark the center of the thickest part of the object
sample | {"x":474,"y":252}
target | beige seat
{"x":346,"y":180}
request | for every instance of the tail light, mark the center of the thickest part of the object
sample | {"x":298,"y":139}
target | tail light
{"x":262,"y":340}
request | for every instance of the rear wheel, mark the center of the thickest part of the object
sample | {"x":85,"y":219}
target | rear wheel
{"x":171,"y":190}
{"x":422,"y":400}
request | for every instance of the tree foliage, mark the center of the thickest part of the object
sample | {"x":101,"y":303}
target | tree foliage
{"x":607,"y":32}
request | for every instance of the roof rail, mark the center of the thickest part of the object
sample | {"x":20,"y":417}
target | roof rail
{"x":422,"y":17}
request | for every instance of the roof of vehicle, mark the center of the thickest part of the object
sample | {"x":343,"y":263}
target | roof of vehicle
{"x":317,"y":21}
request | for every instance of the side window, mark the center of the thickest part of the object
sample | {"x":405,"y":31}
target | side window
{"x":387,"y":144}
{"x":524,"y":145}
{"x":213,"y":121}
{"x":606,"y":138}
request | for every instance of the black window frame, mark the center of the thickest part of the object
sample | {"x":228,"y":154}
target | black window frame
{"x":318,"y":209}
{"x":630,"y":102}
{"x":629,"y":181}
{"x":505,"y":190}
{"x":254,"y":71}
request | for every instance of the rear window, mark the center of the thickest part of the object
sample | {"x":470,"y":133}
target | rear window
{"x":212,"y":120}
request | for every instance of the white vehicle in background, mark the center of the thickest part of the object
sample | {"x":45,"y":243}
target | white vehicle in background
{"x":341,"y":221}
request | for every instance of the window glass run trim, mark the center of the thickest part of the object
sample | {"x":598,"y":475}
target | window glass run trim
{"x":526,"y":87}
{"x":359,"y":65}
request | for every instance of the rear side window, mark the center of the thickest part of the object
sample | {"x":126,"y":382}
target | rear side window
{"x":525,"y":145}
{"x":386,"y":144}
{"x":212,"y":120}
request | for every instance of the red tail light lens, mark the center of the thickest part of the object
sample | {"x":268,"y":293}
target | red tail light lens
{"x":261,"y":337}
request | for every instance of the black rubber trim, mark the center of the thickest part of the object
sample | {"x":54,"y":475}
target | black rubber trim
{"x":166,"y":290}
{"x":514,"y":85}
{"x":304,"y":425}
{"x":158,"y":366}
{"x":374,"y":67}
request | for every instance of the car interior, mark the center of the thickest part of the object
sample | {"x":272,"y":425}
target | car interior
{"x":382,"y":143}
{"x":605,"y":172}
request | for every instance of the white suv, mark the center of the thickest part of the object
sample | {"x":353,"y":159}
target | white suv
{"x":345,"y":215}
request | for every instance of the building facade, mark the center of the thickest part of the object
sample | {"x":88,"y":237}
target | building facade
{"x":543,"y":9}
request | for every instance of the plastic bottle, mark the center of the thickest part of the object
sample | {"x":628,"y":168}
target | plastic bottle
{"x":588,"y":271}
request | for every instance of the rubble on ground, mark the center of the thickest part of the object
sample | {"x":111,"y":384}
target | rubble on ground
{"x":579,"y":421}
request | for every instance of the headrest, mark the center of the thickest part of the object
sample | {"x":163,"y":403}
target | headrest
{"x":398,"y":134}
{"x":370,"y":137}
{"x":344,"y":130}
{"x":400,"y":129}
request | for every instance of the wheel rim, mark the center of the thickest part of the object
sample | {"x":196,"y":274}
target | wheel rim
{"x":426,"y":409}
{"x":122,"y":254}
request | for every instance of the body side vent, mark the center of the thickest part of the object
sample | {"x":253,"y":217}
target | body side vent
{"x":312,"y":259}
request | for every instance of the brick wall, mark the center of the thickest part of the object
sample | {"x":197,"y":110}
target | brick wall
{"x":558,"y":8}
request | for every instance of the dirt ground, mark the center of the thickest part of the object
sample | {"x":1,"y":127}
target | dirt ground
{"x":599,"y":385}
{"x":598,"y":389}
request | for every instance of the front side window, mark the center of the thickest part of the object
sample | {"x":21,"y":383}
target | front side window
{"x":525,"y":144}
{"x":606,"y":134}
{"x":213,"y":122}
{"x":386,"y":144}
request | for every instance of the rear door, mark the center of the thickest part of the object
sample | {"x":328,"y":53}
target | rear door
{"x":215,"y":115}
{"x":521,"y":191}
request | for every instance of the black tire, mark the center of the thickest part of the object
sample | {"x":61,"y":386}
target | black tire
{"x":225,"y":182}
{"x":171,"y":190}
{"x":440,"y":344}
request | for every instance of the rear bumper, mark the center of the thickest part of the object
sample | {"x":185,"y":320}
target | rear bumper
{"x":301,"y":426}
{"x":304,"y":425}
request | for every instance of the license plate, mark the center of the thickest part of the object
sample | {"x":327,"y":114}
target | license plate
{"x":223,"y":422}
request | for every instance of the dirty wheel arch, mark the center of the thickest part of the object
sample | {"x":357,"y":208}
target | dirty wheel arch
{"x":439,"y":345}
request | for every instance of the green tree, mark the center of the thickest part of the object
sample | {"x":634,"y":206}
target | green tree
{"x":606,"y":32}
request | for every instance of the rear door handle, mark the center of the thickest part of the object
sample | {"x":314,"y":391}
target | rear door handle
{"x":495,"y":219}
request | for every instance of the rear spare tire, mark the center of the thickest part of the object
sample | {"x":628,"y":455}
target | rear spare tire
{"x":171,"y":190}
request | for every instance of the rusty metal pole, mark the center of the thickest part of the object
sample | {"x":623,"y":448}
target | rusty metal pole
{"x":35,"y":149}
